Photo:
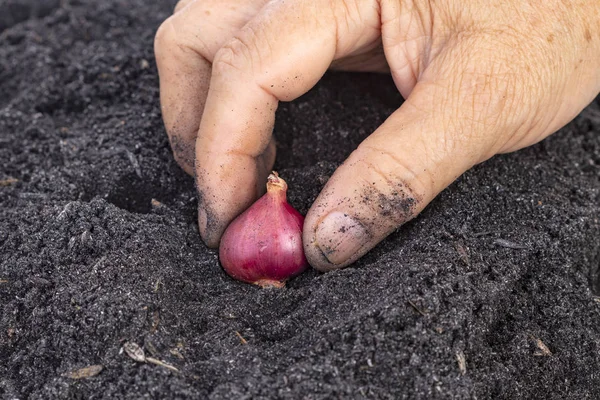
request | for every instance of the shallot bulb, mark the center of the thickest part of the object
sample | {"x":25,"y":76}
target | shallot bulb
{"x":263,"y":245}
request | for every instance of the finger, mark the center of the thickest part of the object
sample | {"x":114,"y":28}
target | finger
{"x":370,"y":60}
{"x":185,"y":45}
{"x":457,"y":115}
{"x":181,"y":4}
{"x":279,"y":55}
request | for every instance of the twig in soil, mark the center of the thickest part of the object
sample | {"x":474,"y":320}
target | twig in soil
{"x":509,"y":245}
{"x":86,"y":372}
{"x":417,"y":308}
{"x":38,"y":281}
{"x":160,"y":363}
{"x":137,"y":353}
{"x":480,"y":234}
{"x":3,"y":280}
{"x":8,"y":181}
{"x":244,"y":341}
{"x":32,"y":196}
{"x":462,"y":362}
{"x":134,"y":162}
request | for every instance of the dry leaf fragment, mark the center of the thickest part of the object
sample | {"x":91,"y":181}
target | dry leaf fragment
{"x":134,"y":163}
{"x":462,"y":362}
{"x":134,"y":351}
{"x":509,"y":245}
{"x":150,"y":347}
{"x":176,"y":353}
{"x":155,"y":321}
{"x":86,"y":372}
{"x":8,"y":182}
{"x":463,"y":253}
{"x":158,"y":284}
{"x":137,"y":353}
{"x":543,"y":351}
{"x":155,"y":203}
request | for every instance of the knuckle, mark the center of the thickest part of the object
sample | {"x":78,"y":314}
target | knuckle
{"x":388,"y":164}
{"x":165,"y":36}
{"x":233,"y":56}
{"x":174,"y":39}
{"x":181,"y":4}
{"x":183,"y":150}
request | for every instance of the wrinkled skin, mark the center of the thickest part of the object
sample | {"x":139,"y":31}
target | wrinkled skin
{"x":479,"y":78}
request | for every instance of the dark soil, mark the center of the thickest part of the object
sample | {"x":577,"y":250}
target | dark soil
{"x":500,"y":270}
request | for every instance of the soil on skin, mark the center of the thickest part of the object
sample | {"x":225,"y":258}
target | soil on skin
{"x":489,"y":293}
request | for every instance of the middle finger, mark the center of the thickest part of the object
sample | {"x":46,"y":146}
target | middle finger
{"x":185,"y":45}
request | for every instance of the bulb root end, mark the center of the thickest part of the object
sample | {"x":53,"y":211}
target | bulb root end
{"x":269,"y":283}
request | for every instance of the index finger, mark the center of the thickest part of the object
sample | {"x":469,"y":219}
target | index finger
{"x":277,"y":56}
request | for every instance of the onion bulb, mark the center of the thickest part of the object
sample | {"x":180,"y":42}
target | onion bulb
{"x":263,"y":245}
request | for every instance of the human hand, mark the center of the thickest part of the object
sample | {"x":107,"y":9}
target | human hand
{"x":479,"y":78}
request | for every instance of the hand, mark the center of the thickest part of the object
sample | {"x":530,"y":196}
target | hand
{"x":479,"y":78}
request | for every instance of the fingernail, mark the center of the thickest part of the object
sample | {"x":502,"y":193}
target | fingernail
{"x":339,"y":236}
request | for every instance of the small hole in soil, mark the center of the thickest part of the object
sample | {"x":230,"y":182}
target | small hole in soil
{"x":132,"y":194}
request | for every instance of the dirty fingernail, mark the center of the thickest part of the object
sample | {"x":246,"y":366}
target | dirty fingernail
{"x":339,"y":236}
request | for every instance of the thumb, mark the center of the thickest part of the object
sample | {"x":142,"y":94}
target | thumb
{"x":418,"y":151}
{"x":483,"y":86}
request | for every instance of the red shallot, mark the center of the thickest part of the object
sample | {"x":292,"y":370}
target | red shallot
{"x":263,"y":245}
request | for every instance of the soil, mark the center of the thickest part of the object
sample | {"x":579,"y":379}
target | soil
{"x":489,"y":293}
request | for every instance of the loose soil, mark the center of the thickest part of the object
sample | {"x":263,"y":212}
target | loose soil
{"x":489,"y":293}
